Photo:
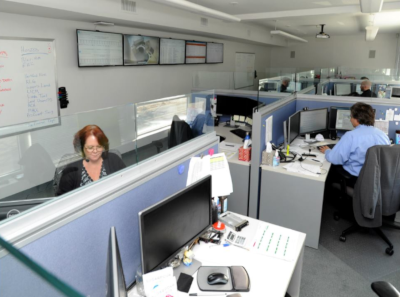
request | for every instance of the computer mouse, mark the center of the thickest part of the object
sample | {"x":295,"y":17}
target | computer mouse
{"x":217,"y":279}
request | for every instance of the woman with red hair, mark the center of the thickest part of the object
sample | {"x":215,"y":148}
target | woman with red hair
{"x":98,"y":162}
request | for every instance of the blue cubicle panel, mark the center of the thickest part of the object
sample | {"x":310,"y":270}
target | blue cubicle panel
{"x":279,"y":116}
{"x":380,"y":110}
{"x":77,"y":252}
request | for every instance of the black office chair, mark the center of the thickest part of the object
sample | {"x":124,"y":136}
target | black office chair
{"x":385,"y":289}
{"x":376,"y":194}
{"x":179,"y":133}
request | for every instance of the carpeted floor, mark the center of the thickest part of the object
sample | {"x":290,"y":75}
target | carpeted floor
{"x":347,"y":269}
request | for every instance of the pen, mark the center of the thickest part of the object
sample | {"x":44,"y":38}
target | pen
{"x":316,"y":160}
{"x":229,"y":145}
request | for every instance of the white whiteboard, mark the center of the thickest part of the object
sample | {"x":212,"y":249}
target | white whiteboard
{"x":244,"y":70}
{"x":28,"y":84}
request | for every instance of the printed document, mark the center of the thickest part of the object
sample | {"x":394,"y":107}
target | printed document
{"x":160,"y":283}
{"x":216,"y":166}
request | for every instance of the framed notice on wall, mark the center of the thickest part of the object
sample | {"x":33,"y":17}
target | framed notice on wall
{"x":244,"y":70}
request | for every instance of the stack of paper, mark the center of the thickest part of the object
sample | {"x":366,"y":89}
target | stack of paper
{"x":229,"y":149}
{"x":160,"y":283}
{"x":303,"y":168}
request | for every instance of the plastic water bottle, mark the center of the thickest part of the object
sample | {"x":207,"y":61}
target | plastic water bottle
{"x":246,"y":141}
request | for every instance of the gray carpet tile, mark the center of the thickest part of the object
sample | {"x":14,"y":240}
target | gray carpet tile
{"x":363,"y":251}
{"x":325,"y":275}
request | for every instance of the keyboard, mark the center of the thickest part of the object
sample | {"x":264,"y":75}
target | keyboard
{"x":241,"y":133}
{"x":328,"y":145}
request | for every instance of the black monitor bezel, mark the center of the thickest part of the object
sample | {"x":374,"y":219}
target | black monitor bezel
{"x":97,"y":31}
{"x":161,"y":203}
{"x":314,"y":131}
{"x":167,"y":64}
{"x":123,"y":50}
{"x":223,"y":48}
{"x":205,"y":60}
{"x":289,"y":121}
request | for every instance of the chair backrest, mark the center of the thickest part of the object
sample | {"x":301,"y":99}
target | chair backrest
{"x":377,"y":191}
{"x":64,"y":162}
{"x":179,"y":133}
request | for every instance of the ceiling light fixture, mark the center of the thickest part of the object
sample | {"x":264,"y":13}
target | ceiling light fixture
{"x":371,"y":6}
{"x":103,"y":24}
{"x":371,"y":32}
{"x":287,"y":35}
{"x":322,"y":34}
{"x":192,"y":7}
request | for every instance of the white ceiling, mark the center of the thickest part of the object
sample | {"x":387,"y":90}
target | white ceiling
{"x":301,"y":17}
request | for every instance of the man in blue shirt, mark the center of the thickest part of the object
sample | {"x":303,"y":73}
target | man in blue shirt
{"x":350,"y":151}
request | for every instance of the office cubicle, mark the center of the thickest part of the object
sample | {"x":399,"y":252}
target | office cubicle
{"x":34,"y":154}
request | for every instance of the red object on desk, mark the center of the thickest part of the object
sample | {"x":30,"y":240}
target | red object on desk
{"x":245,"y":154}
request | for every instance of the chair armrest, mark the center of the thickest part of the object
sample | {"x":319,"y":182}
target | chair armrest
{"x":385,"y":289}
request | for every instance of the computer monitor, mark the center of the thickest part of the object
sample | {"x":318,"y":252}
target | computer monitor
{"x":294,"y":127}
{"x":342,"y":89}
{"x":313,"y":121}
{"x":343,"y":119}
{"x":358,"y":89}
{"x":231,"y":105}
{"x":171,"y":224}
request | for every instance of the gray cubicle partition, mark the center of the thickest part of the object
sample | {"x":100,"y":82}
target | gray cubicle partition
{"x":280,"y":111}
{"x":69,"y":237}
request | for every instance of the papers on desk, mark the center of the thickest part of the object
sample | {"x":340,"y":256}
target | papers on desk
{"x":274,"y":241}
{"x":303,"y":168}
{"x":229,"y":149}
{"x":216,"y":166}
{"x":160,"y":283}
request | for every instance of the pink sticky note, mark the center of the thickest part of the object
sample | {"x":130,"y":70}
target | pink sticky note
{"x":211,"y":151}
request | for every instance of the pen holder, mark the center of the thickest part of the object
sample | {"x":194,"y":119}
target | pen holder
{"x":245,"y":154}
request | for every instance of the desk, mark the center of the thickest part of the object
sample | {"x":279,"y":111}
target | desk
{"x":294,"y":200}
{"x":268,"y":276}
{"x":240,"y":171}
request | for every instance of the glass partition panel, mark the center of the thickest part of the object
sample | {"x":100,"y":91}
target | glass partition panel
{"x":285,"y":84}
{"x":165,"y":123}
{"x":380,"y":74}
{"x":328,"y":73}
{"x":21,"y":276}
{"x":45,"y":159}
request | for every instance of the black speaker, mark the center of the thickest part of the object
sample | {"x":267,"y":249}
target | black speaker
{"x":333,"y":134}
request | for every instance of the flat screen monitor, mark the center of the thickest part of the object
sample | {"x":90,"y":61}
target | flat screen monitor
{"x":172,"y":51}
{"x":343,"y":119}
{"x":141,"y":50}
{"x":294,"y":127}
{"x":332,"y":118}
{"x":342,"y":89}
{"x":99,"y":49}
{"x":215,"y":53}
{"x":230,"y":105}
{"x":196,"y":52}
{"x":358,"y":89}
{"x":313,"y":121}
{"x":173,"y":223}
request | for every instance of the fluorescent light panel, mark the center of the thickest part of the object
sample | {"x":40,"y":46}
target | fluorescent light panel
{"x":371,"y":32}
{"x":287,"y":35}
{"x":192,"y":7}
{"x":371,"y":6}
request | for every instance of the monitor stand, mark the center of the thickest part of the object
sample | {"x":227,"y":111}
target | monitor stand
{"x":185,"y":269}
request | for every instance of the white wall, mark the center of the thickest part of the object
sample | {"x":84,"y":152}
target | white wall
{"x":345,"y":50}
{"x":93,"y":88}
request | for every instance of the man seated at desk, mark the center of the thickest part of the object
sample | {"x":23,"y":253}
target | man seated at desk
{"x":284,"y":84}
{"x":350,"y":151}
{"x":366,"y":89}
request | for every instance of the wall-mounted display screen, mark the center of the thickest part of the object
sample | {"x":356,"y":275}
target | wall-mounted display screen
{"x":215,"y":52}
{"x":141,"y":50}
{"x":172,"y":51}
{"x":196,"y":52}
{"x":99,"y":48}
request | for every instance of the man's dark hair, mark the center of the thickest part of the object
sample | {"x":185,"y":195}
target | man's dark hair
{"x":363,"y":113}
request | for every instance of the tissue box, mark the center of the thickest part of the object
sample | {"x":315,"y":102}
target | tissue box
{"x":245,"y":154}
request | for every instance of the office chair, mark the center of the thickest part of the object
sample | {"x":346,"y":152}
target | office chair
{"x":376,"y":194}
{"x":62,"y":164}
{"x":384,"y":289}
{"x":179,"y":133}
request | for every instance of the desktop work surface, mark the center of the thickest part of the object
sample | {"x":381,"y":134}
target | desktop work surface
{"x":292,"y":199}
{"x":269,"y":276}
